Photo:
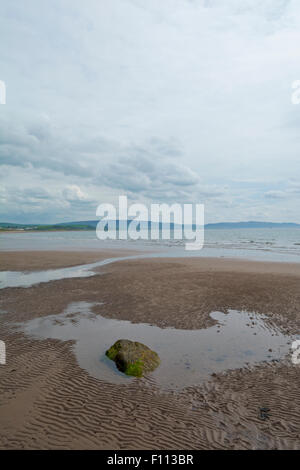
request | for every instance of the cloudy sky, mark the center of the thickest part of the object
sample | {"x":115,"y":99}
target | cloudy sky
{"x":162,"y":100}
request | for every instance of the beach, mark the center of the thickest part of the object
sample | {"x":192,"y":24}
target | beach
{"x":149,"y":228}
{"x":49,"y":402}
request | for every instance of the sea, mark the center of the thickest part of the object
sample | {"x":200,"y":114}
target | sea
{"x":268,"y":244}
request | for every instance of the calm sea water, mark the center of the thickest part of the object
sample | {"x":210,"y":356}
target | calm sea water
{"x":266,"y":244}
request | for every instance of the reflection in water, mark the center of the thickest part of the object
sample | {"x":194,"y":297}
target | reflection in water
{"x":188,"y":357}
{"x":28,"y":279}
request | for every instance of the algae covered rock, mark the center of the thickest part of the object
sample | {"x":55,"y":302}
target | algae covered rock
{"x":132,"y":357}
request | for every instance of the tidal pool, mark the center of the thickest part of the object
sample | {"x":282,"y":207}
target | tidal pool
{"x":28,"y":279}
{"x":188,"y":357}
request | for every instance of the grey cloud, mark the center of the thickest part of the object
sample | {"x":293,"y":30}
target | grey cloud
{"x":166,"y":101}
{"x":149,"y":169}
{"x":41,"y":147}
{"x":45,"y":205}
{"x":274,"y":194}
{"x":73,"y":193}
{"x":158,"y":179}
{"x":291,"y":190}
{"x":294,"y":188}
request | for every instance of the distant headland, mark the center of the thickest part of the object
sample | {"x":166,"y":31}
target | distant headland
{"x":91,"y":225}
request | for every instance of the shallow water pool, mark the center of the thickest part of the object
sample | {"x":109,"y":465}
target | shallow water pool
{"x":188,"y":357}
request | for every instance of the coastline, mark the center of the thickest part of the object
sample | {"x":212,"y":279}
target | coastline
{"x":60,"y":405}
{"x":27,"y":261}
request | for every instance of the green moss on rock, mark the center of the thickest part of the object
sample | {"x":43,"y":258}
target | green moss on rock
{"x":132,"y":357}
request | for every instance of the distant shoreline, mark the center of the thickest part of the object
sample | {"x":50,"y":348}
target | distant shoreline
{"x":48,"y":230}
{"x":206,"y":227}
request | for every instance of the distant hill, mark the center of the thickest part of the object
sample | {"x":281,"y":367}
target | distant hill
{"x":91,"y":225}
{"x":39,"y":228}
{"x":220,"y":225}
{"x":251,"y":224}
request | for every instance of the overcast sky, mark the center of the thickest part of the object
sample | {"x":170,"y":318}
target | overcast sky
{"x":162,"y":100}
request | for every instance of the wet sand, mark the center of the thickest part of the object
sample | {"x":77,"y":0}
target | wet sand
{"x":48,"y":401}
{"x":40,"y":260}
